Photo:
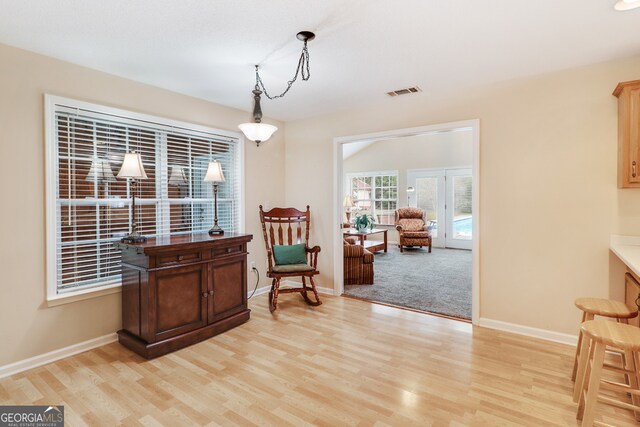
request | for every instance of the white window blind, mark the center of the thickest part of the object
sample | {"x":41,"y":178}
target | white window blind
{"x":92,"y":207}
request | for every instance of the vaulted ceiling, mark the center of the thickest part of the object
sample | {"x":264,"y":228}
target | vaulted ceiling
{"x":363,"y":48}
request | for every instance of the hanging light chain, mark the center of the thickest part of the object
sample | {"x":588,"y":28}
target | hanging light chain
{"x":302,"y":69}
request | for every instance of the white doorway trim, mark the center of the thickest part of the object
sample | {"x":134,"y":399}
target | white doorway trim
{"x":338,"y":189}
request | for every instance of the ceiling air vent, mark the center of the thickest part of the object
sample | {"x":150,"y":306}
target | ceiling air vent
{"x":413,"y":89}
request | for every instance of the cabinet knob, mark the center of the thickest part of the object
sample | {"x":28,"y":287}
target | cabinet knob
{"x":211,"y":293}
{"x":180,"y":257}
{"x":205,"y":294}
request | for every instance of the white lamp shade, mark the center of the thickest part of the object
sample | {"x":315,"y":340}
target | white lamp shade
{"x":100,"y":171}
{"x":257,"y":132}
{"x":178,"y":176}
{"x":214,"y":172}
{"x":132,"y":167}
{"x":627,"y":5}
{"x":348,"y":202}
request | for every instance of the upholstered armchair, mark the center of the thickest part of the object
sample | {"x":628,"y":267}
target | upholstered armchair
{"x":358,"y":263}
{"x":412,"y":228}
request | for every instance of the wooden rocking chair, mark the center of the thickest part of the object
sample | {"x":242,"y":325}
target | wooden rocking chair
{"x":285,"y":220}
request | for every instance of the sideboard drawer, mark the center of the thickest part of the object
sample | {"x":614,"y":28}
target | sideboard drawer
{"x":227,"y":250}
{"x":178,"y":258}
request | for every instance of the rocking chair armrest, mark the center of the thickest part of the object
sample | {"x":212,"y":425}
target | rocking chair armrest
{"x":313,"y":255}
{"x":312,"y":250}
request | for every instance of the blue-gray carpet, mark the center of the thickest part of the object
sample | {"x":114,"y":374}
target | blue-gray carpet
{"x":437,"y":282}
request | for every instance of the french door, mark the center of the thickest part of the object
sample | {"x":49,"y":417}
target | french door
{"x":446,"y":197}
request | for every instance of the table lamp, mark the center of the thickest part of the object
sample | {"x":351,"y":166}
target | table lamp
{"x":410,"y":191}
{"x":178,"y":177}
{"x":348,"y":203}
{"x":215,"y":175}
{"x":133,"y":170}
{"x":100,"y":171}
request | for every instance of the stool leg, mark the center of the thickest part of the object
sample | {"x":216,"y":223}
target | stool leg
{"x":624,"y":355}
{"x":577,"y":357}
{"x":588,"y":404}
{"x":629,"y":362}
{"x":585,"y":355}
{"x":636,"y":366}
{"x":631,"y":359}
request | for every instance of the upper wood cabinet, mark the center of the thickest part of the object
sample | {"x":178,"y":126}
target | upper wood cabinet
{"x":628,"y":94}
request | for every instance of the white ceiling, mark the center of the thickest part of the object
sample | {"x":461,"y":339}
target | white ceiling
{"x":363,"y":48}
{"x":352,"y":148}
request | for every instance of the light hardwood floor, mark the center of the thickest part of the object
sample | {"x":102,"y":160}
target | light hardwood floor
{"x":347,"y":362}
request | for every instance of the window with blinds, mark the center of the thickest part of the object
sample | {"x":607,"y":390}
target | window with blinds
{"x":89,"y":208}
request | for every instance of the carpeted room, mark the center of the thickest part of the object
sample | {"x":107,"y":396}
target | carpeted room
{"x":437,"y":282}
{"x":429,"y":172}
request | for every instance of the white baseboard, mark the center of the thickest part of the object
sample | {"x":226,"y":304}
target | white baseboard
{"x":529,"y":331}
{"x":52,"y":356}
{"x":289,"y":283}
{"x":259,"y":291}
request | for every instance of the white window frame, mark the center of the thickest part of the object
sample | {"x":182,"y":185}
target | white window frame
{"x":349,"y":177}
{"x":51,"y":178}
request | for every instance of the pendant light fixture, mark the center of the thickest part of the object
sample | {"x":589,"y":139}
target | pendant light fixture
{"x":261,"y":132}
{"x":623,"y":5}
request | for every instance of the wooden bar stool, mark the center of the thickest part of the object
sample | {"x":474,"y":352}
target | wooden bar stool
{"x":597,"y":336}
{"x":592,"y":307}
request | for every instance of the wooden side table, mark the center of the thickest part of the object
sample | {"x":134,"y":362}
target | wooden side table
{"x":363,"y":236}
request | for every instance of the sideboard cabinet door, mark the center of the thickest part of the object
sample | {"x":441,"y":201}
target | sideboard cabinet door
{"x":229,"y":283}
{"x":179,"y":300}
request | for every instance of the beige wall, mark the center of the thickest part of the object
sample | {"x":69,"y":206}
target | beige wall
{"x":435,"y":151}
{"x":548,"y":185}
{"x":27,"y":326}
{"x":548,"y":188}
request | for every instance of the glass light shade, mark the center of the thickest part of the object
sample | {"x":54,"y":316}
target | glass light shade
{"x":178,"y":176}
{"x":132,"y":167}
{"x":257,"y":132}
{"x":214,"y":172}
{"x":100,"y":171}
{"x":348,"y":202}
{"x":410,"y":189}
{"x":623,"y":5}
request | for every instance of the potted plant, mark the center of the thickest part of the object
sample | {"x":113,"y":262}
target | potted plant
{"x":364,"y":221}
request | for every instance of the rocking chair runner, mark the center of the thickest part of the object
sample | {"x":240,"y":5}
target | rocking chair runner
{"x":283,"y":222}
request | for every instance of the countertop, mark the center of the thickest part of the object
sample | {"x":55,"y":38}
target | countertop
{"x":627,"y":248}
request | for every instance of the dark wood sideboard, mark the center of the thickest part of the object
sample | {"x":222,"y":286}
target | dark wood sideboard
{"x":179,"y":290}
